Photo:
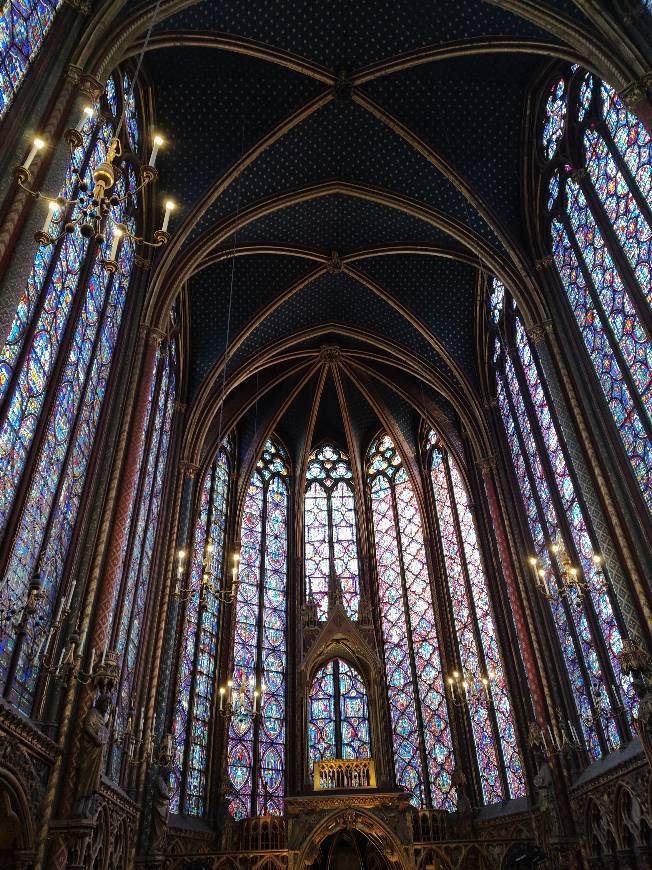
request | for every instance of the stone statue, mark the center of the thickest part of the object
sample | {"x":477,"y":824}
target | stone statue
{"x":160,"y":807}
{"x":94,"y":738}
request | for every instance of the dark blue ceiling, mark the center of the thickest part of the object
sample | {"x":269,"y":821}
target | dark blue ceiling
{"x":327,"y":146}
{"x":214,"y":105}
{"x":256,"y":281}
{"x":341,"y":300}
{"x":349,"y":35}
{"x":343,"y":223}
{"x":439,"y":292}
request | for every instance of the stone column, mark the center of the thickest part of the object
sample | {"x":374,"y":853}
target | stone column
{"x":526,"y":636}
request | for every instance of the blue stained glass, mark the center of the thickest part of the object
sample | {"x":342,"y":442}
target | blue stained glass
{"x":191,"y":720}
{"x":64,"y":451}
{"x":555,"y":118}
{"x":260,"y":636}
{"x":23,"y":27}
{"x":131,"y":115}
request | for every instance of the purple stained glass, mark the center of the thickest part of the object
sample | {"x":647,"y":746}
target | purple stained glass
{"x":198,"y":655}
{"x":259,"y":650}
{"x":473,"y":619}
{"x":409,"y":631}
{"x":23,"y":27}
{"x":555,"y":118}
{"x":591,"y":323}
{"x":330,"y":539}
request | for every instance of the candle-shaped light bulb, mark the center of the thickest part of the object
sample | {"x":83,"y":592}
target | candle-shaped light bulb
{"x":209,"y":547}
{"x":554,"y":548}
{"x":230,"y":683}
{"x":236,"y":558}
{"x":597,"y":558}
{"x":90,"y":667}
{"x":115,"y":243}
{"x":169,"y":208}
{"x":158,"y":141}
{"x":456,"y":674}
{"x":573,"y":572}
{"x":52,"y":207}
{"x":37,"y":145}
{"x":222,"y":691}
{"x":533,"y":560}
{"x":450,"y":681}
{"x":87,"y":114}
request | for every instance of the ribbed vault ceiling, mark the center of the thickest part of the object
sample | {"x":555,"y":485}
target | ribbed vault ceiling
{"x":391,"y":133}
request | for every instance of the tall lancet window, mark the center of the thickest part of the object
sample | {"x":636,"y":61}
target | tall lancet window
{"x":23,"y":27}
{"x":54,"y":370}
{"x":199,"y":641}
{"x":588,"y":624}
{"x":599,"y":171}
{"x":492,"y":723}
{"x":423,"y":751}
{"x":330,"y":540}
{"x":132,"y":594}
{"x":338,"y":715}
{"x":256,"y":743}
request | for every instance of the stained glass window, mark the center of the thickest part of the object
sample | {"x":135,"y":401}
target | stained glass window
{"x":256,"y":743}
{"x":330,"y":539}
{"x":23,"y":27}
{"x":199,"y":641}
{"x":338,"y":715}
{"x":129,"y":615}
{"x":40,"y":513}
{"x":588,"y":625}
{"x":601,"y":230}
{"x":423,"y":751}
{"x":131,"y":115}
{"x":490,"y":712}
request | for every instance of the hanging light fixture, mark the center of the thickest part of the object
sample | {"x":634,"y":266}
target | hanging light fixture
{"x":567,"y":581}
{"x":93,"y":207}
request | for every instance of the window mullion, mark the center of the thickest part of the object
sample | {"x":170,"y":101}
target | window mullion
{"x":337,"y":711}
{"x":425,"y":778}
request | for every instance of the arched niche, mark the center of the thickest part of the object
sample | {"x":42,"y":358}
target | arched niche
{"x":16,"y":830}
{"x":341,"y":639}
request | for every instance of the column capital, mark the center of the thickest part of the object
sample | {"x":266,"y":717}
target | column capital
{"x":636,"y":91}
{"x":486,"y":464}
{"x":151,"y":334}
{"x":188,"y":469}
{"x":544,"y":263}
{"x":538,"y":331}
